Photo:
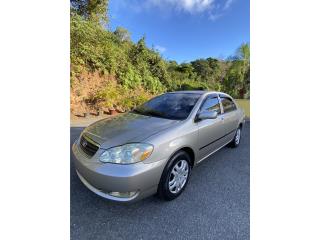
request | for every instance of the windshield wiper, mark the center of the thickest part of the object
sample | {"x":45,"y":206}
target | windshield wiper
{"x":155,"y":114}
{"x":141,"y":112}
{"x":136,"y":111}
{"x":150,"y":113}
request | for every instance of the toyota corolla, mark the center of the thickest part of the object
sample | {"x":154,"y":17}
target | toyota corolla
{"x":152,"y":149}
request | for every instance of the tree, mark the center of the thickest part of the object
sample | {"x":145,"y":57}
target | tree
{"x":122,"y":34}
{"x":202,"y":68}
{"x":243,"y":52}
{"x":238,"y":75}
{"x":214,"y":64}
{"x":95,"y":10}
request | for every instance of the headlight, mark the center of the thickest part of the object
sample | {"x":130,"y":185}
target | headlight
{"x":126,"y":154}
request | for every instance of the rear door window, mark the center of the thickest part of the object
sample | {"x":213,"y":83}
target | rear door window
{"x":228,"y":105}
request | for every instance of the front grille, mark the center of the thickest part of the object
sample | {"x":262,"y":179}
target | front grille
{"x":88,"y":146}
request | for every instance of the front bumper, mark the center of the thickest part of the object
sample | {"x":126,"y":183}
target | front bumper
{"x":104,"y":178}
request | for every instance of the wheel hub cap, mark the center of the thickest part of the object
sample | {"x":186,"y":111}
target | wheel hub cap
{"x":238,"y":135}
{"x":178,"y":176}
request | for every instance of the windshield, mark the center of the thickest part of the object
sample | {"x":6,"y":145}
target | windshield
{"x":175,"y":106}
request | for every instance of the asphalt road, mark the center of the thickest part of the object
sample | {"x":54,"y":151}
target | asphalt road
{"x":215,"y":204}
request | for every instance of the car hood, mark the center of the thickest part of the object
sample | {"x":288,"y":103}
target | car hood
{"x":125,"y":128}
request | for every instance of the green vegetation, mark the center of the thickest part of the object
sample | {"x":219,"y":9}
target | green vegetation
{"x":128,"y":73}
{"x":245,"y":105}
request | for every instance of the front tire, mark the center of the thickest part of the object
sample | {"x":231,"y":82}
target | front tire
{"x":175,"y":176}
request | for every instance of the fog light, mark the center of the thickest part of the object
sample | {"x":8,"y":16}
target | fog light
{"x":122,"y":194}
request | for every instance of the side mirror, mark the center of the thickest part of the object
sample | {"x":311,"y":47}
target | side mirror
{"x":207,"y":115}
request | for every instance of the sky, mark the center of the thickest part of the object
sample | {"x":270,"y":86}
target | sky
{"x":185,"y":30}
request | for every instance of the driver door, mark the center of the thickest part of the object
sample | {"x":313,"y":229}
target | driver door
{"x":210,"y":130}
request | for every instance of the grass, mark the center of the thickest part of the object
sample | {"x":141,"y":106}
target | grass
{"x":245,"y":105}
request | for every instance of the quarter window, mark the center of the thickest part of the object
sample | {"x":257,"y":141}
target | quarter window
{"x":228,"y":105}
{"x":211,"y":104}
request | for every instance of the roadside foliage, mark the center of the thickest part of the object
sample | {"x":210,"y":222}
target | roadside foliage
{"x":109,"y":70}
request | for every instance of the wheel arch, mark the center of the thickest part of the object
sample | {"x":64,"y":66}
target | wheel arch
{"x":189,"y":151}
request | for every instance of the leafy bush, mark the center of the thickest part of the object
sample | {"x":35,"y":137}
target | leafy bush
{"x":193,"y":85}
{"x":139,"y":72}
{"x":115,"y":95}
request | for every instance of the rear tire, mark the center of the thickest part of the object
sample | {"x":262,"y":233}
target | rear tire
{"x":175,"y":176}
{"x":237,"y":138}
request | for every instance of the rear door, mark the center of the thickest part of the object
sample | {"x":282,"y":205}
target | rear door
{"x":229,"y":116}
{"x":210,"y":130}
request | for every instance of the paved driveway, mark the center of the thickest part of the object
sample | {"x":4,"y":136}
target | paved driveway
{"x":215,"y":204}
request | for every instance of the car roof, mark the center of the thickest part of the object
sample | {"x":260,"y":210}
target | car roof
{"x":193,"y":91}
{"x":201,"y":92}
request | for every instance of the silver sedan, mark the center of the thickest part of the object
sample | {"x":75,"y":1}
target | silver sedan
{"x":154,"y":148}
